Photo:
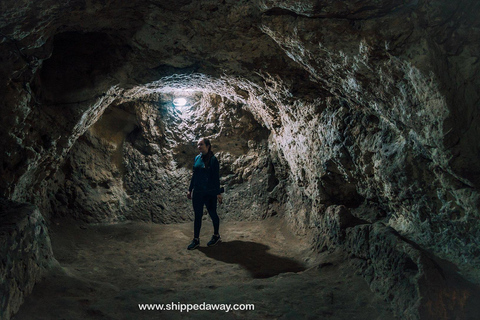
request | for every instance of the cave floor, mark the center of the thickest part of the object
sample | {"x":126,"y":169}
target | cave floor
{"x":106,"y":271}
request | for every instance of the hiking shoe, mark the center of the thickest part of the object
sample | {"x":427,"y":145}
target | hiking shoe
{"x":194,"y":244}
{"x":215,"y":239}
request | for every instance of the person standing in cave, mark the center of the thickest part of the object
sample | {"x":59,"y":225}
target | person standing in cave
{"x":205,"y":184}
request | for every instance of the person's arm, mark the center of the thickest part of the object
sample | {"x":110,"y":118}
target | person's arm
{"x":190,"y":188}
{"x":215,"y":175}
{"x":216,"y":178}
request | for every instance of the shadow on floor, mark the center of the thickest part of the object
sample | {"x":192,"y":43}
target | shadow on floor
{"x":253,"y":257}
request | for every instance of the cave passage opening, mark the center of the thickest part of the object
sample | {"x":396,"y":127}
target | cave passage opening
{"x":133,"y":165}
{"x":135,"y":162}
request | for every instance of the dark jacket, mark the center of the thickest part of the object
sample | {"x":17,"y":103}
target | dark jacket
{"x":205,"y":180}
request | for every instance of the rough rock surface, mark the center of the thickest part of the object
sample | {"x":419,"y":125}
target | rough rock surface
{"x":398,"y":269}
{"x":25,"y":251}
{"x":370,"y":105}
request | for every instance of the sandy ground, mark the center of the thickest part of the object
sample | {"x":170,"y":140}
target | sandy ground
{"x":106,"y":271}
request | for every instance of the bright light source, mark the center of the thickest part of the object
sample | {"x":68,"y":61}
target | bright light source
{"x":179,"y":102}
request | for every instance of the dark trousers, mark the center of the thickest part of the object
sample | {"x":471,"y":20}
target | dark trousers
{"x":199,"y":200}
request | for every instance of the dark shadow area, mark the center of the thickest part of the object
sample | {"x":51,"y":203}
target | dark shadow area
{"x":80,"y":60}
{"x":452,"y":296}
{"x":445,"y":292}
{"x":253,"y":257}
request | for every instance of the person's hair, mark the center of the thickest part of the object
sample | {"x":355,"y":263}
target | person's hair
{"x":206,"y":157}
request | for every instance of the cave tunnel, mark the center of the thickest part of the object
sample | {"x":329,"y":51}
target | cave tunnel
{"x":347,"y":137}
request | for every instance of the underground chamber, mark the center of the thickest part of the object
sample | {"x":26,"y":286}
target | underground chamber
{"x":346,"y":135}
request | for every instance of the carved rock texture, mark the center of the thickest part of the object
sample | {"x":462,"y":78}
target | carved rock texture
{"x":355,"y":120}
{"x":26,"y":253}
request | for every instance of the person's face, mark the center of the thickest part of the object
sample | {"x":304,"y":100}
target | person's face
{"x":202,"y":147}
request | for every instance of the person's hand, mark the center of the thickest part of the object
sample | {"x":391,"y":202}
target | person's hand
{"x":189,"y":194}
{"x":219,"y":198}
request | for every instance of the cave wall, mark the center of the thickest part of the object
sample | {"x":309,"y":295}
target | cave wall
{"x":89,"y":184}
{"x":371,"y":111}
{"x":390,"y":122}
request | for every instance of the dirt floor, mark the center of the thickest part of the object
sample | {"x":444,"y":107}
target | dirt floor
{"x":106,"y":271}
